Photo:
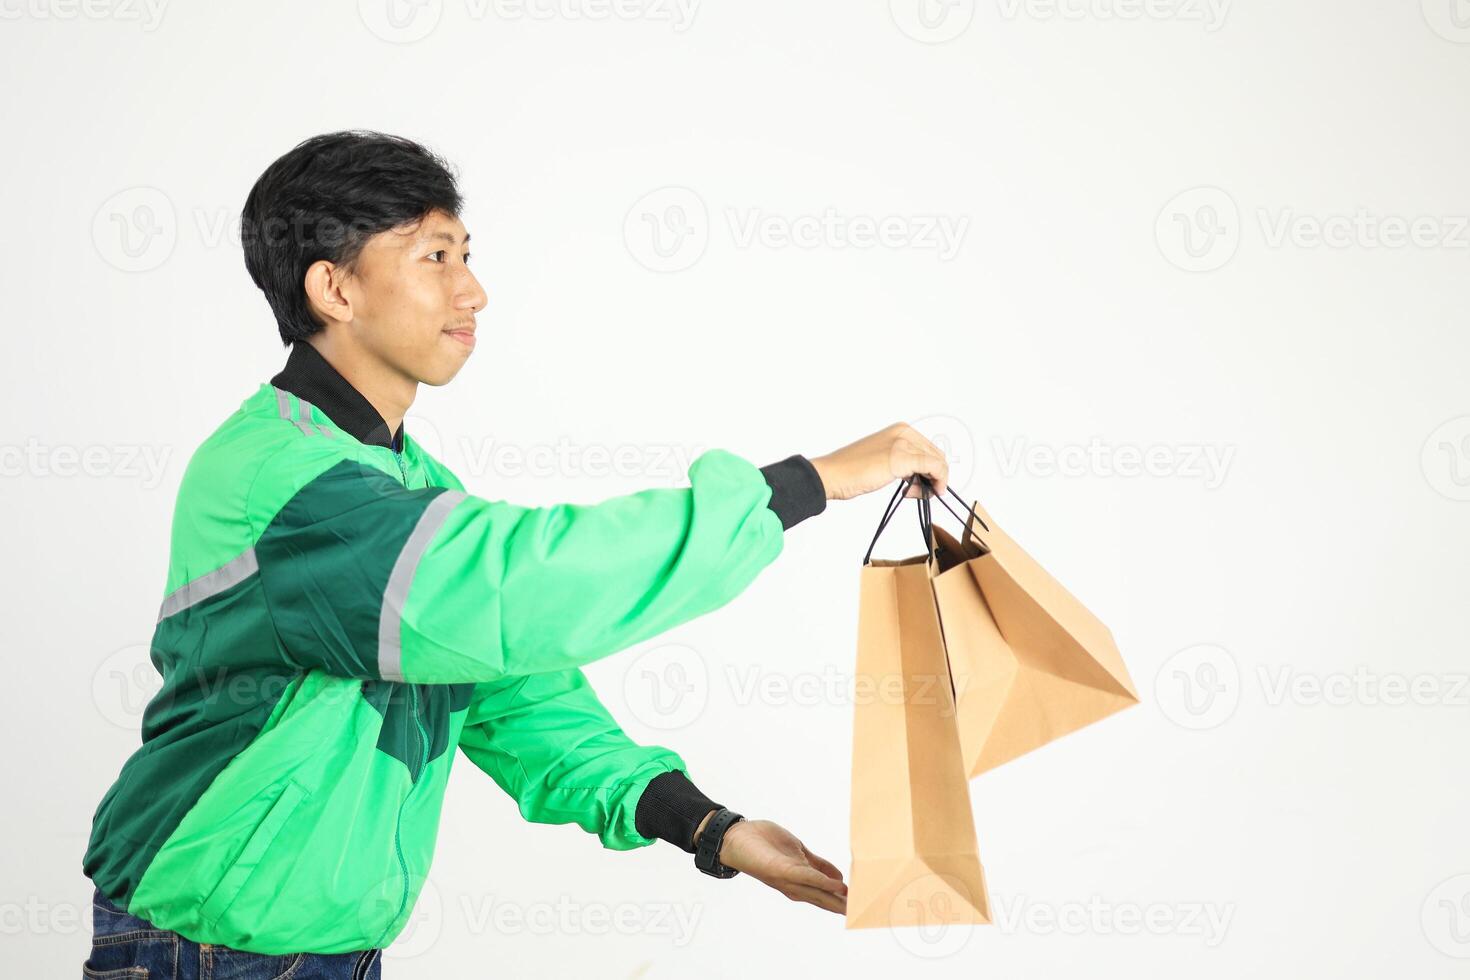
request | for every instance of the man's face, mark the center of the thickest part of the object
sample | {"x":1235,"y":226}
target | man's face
{"x":414,"y":298}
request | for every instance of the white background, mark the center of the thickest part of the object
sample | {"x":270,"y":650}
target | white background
{"x":1138,"y":189}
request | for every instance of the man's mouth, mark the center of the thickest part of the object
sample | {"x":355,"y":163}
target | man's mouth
{"x":466,"y":337}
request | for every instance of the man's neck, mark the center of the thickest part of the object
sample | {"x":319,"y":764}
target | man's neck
{"x":388,"y":391}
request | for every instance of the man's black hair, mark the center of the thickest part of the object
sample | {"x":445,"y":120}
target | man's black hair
{"x":323,"y":200}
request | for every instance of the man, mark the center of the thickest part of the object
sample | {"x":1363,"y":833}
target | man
{"x":340,"y":614}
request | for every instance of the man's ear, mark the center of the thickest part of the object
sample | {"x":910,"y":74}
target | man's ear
{"x":324,"y":294}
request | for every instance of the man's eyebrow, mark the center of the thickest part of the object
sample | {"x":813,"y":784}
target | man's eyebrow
{"x":446,"y":236}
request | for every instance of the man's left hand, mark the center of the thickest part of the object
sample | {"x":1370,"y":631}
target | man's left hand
{"x":770,"y":853}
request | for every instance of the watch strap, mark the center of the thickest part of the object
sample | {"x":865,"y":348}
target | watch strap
{"x":707,"y":849}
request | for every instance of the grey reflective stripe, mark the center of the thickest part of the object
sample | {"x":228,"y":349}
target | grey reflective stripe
{"x":390,"y":620}
{"x":283,"y":405}
{"x":304,"y":423}
{"x":306,"y":408}
{"x":231,"y":573}
{"x":303,"y":415}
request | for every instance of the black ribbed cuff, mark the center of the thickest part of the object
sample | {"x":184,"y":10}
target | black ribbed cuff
{"x":796,"y":490}
{"x":671,"y":809}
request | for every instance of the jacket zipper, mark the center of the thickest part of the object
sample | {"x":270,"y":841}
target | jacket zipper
{"x":423,"y":738}
{"x":413,"y":710}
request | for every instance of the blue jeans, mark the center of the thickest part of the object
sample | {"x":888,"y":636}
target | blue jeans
{"x":125,"y":947}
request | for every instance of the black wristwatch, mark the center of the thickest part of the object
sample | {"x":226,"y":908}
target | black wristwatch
{"x":707,"y":849}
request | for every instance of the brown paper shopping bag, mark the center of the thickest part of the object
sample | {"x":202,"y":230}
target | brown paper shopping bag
{"x":915,"y":861}
{"x":1029,"y":662}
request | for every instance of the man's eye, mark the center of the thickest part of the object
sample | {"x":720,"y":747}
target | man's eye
{"x":467,"y":258}
{"x":440,"y":252}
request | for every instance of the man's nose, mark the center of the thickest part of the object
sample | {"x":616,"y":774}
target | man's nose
{"x":469,"y":295}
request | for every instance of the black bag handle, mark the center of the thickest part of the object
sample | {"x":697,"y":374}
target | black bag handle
{"x":926,"y":520}
{"x":889,"y":511}
{"x":969,"y":510}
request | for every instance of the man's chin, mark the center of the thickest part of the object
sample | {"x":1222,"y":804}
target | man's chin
{"x":436,"y":375}
{"x":438,"y":380}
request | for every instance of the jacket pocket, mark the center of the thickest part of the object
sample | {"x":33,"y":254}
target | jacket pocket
{"x":219,"y":900}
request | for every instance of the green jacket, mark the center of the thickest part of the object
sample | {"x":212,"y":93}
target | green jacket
{"x":340,"y":614}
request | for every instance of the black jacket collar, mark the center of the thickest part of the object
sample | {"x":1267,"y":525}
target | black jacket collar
{"x":309,"y":375}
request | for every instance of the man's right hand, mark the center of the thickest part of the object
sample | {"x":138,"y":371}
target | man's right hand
{"x":875,"y":461}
